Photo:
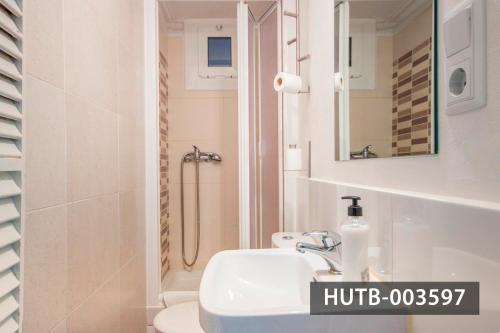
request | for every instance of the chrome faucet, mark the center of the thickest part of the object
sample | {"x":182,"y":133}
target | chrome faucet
{"x":198,"y":156}
{"x":331,"y":246}
{"x":196,"y":153}
{"x":364,"y":153}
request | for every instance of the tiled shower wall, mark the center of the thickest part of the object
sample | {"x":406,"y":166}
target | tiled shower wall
{"x":84,"y":230}
{"x":412,"y":101}
{"x":164,"y":169}
{"x":209,"y":120}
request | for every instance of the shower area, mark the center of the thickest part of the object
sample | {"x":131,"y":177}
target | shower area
{"x":199,"y":139}
{"x":198,"y":144}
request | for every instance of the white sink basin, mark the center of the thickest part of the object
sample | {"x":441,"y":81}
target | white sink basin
{"x":268,"y":291}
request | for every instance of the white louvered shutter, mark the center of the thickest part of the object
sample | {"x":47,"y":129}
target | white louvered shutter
{"x":10,"y":162}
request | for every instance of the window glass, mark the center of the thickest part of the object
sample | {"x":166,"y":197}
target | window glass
{"x":219,"y":52}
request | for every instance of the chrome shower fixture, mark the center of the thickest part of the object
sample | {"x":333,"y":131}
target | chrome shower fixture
{"x":196,"y":156}
{"x":199,"y":156}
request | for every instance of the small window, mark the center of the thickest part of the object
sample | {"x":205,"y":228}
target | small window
{"x":219,"y":52}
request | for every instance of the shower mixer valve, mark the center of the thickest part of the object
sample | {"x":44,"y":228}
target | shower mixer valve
{"x":199,"y":156}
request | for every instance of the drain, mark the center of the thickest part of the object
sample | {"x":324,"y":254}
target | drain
{"x":287,"y":237}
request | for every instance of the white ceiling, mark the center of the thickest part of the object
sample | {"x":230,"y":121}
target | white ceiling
{"x":379,"y":9}
{"x":181,"y":10}
{"x":384,"y":9}
{"x":259,"y":8}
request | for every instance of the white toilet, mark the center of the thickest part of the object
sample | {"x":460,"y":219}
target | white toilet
{"x":179,"y":318}
{"x":183,"y":317}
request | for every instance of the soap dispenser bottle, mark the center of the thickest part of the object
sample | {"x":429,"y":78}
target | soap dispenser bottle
{"x":355,"y":244}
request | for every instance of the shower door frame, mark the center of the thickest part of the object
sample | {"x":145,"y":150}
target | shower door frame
{"x":151,"y":155}
{"x":275,"y":10}
{"x":245,"y":135}
{"x":243,"y":124}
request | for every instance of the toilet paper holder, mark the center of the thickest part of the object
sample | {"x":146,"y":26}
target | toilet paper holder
{"x":308,"y":91}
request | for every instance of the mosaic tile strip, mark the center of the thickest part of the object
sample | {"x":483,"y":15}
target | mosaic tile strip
{"x":164,"y":169}
{"x":412,"y":102}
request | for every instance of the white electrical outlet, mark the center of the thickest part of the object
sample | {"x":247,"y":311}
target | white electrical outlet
{"x":465,"y":58}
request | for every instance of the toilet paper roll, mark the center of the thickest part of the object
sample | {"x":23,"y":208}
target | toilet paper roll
{"x":287,"y":83}
{"x":293,"y":159}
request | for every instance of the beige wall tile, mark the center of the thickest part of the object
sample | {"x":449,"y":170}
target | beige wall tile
{"x":132,"y":300}
{"x":127,"y":22}
{"x":175,"y":222}
{"x":141,"y":227}
{"x":131,"y":224}
{"x":91,"y":52}
{"x":130,"y":62}
{"x":231,"y":238}
{"x":212,"y":213}
{"x":43,"y":44}
{"x":93,"y":246}
{"x":131,"y":154}
{"x":230,"y":156}
{"x":62,"y":327}
{"x":105,"y":14}
{"x":371,"y":123}
{"x":77,"y":148}
{"x":45,"y":150}
{"x":130,"y":83}
{"x":92,"y":150}
{"x":130,"y":59}
{"x":100,"y":312}
{"x":230,"y":197}
{"x":45,"y":269}
{"x":195,"y":119}
{"x":230,"y":149}
{"x":230,"y":119}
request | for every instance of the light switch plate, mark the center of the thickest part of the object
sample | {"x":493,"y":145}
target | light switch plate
{"x":465,"y":58}
{"x":457,"y":32}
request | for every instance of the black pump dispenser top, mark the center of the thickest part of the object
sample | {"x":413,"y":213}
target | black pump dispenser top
{"x":354,"y":209}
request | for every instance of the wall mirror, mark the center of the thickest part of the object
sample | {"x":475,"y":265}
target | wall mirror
{"x":386,"y":97}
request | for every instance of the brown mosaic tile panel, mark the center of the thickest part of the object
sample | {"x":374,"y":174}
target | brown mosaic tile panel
{"x":418,"y":133}
{"x":164,"y":169}
{"x":412,"y":94}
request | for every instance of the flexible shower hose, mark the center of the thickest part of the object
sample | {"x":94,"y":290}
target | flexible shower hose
{"x":188,"y":264}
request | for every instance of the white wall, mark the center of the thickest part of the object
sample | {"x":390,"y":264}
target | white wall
{"x":431,"y":218}
{"x":295,"y":128}
{"x":420,"y":238}
{"x":467,"y":165}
